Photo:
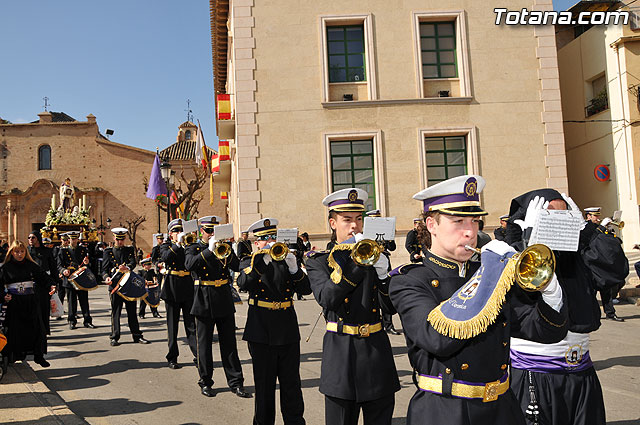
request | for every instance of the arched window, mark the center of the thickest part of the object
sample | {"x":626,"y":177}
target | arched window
{"x":187,"y":135}
{"x":44,"y":157}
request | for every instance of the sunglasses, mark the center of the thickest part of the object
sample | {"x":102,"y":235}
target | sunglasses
{"x":207,"y":231}
{"x":31,"y":237}
{"x":265,"y":237}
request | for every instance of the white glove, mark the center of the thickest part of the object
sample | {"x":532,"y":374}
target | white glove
{"x":290,"y":259}
{"x":266,"y":258}
{"x":181,"y":236}
{"x":358,"y":237}
{"x":498,"y":247}
{"x":382,"y":267}
{"x":538,"y":203}
{"x":212,"y":245}
{"x":574,"y":207}
{"x":552,"y":294}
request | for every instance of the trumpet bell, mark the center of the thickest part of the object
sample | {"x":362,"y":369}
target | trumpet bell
{"x":366,"y":252}
{"x":535,"y":267}
{"x":222,"y":251}
{"x":190,"y":238}
{"x":279,"y":251}
{"x":620,"y":225}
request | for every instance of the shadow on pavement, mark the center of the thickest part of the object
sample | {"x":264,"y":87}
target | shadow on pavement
{"x":630,"y":361}
{"x":117,"y":406}
{"x":629,"y":422}
{"x":71,"y":354}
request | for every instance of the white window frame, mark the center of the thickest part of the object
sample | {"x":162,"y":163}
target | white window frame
{"x":378,"y":163}
{"x":462,"y":57}
{"x":334,"y":20}
{"x":470,"y":134}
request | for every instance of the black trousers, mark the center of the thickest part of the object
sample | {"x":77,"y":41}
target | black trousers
{"x":173,"y":318}
{"x":228,"y":350}
{"x":61,"y":291}
{"x":281,"y":362}
{"x":73,"y":297}
{"x":607,"y":301}
{"x":116,"y":310}
{"x":563,"y":398}
{"x":346,"y":412}
{"x":143,"y":308}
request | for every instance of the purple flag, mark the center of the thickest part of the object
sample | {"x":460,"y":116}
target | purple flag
{"x":157,"y":185}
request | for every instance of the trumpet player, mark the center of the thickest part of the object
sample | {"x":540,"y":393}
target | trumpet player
{"x":272,"y":326}
{"x":177,"y":292}
{"x":357,"y":371}
{"x":210,"y":261}
{"x":465,"y":381}
{"x":560,"y":376}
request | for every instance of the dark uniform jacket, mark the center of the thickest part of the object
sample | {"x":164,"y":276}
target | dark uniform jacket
{"x":112,"y":258}
{"x":500,"y":234}
{"x":353,"y":367}
{"x":175,"y":288}
{"x":244,"y":248}
{"x":271,"y":283}
{"x":415,"y":290}
{"x":412,"y":244}
{"x":155,"y":255}
{"x":43,"y":256}
{"x":208,"y":300}
{"x":70,"y":258}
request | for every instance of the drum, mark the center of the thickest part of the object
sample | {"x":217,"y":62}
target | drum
{"x":83,"y":279}
{"x":132,"y":286}
{"x":153,"y":299}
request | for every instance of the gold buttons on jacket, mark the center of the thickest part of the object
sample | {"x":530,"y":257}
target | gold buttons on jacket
{"x":503,"y":367}
{"x":504,"y":324}
{"x":504,"y":344}
{"x":346,"y":300}
{"x":435,"y":283}
{"x":447,"y":371}
{"x":374,"y":310}
{"x":464,"y":366}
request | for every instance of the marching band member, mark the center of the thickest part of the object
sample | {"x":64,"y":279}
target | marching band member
{"x":413,"y":244}
{"x":272,"y":326}
{"x":461,"y":367}
{"x":151,"y":279}
{"x":177,"y":293}
{"x":213,"y":306}
{"x":561,"y":376}
{"x":69,"y":260}
{"x":117,"y":261}
{"x":357,"y":371}
{"x":244,"y":246}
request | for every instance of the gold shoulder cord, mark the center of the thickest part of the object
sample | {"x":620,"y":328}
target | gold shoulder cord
{"x":248,"y":270}
{"x":336,"y":274}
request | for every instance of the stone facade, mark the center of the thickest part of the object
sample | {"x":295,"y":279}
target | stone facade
{"x":109,"y":174}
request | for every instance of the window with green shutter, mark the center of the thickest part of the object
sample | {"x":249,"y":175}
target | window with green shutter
{"x":446,"y":158}
{"x":345,"y":47}
{"x":438,"y":49}
{"x":352,"y":166}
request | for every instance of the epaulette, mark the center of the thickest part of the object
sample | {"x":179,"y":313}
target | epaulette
{"x":403,"y":269}
{"x":312,"y":254}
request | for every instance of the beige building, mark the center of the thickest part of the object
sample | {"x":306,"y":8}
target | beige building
{"x":37,"y":157}
{"x":388,"y":96}
{"x":599,"y":80}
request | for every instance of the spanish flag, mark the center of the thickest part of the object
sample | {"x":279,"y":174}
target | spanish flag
{"x":224,"y":195}
{"x":224,"y":106}
{"x":223,"y":150}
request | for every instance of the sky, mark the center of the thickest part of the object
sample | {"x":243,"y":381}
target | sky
{"x":131,"y":63}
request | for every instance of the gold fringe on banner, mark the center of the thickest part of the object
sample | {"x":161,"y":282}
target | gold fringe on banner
{"x":336,"y":274}
{"x":486,"y":317}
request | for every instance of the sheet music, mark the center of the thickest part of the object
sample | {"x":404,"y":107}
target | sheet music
{"x":379,"y":228}
{"x":190,"y":226}
{"x":223,"y":232}
{"x":617,"y":215}
{"x":287,"y":236}
{"x":558,"y":229}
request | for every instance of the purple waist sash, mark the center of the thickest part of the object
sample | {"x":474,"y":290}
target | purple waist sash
{"x":573,"y":361}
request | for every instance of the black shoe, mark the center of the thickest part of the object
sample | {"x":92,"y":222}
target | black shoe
{"x":141,"y":316}
{"x":42,"y":362}
{"x":208,"y":391}
{"x":89,"y":325}
{"x":240,"y":392}
{"x":156,"y":314}
{"x":615,"y":318}
{"x":72,"y":325}
{"x":141,"y":340}
{"x":174,"y":365}
{"x":301,"y":298}
{"x":392,"y":331}
{"x":195,"y":360}
{"x":114,"y":343}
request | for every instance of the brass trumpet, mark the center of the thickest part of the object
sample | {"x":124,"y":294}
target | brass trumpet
{"x":190,"y":238}
{"x":366,"y":252}
{"x":620,"y":224}
{"x":534,"y":267}
{"x":278,"y":251}
{"x":222,"y":250}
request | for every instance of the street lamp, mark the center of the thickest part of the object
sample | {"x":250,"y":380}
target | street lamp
{"x":165,"y":170}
